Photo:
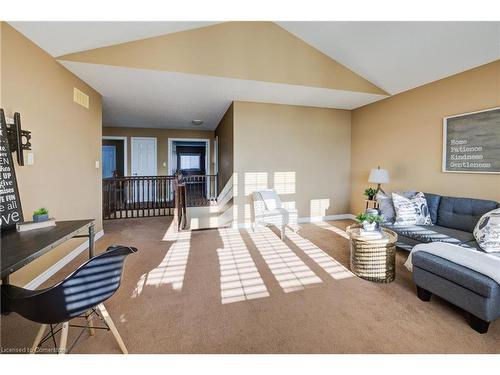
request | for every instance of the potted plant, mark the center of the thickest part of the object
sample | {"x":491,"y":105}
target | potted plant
{"x":370,"y":222}
{"x":42,"y":214}
{"x":370,"y":193}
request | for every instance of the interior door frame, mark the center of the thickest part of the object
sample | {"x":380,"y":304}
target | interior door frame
{"x":132,"y":164}
{"x":207,"y":152}
{"x":125,"y":150}
{"x":207,"y":155}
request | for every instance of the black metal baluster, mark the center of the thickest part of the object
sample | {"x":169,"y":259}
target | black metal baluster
{"x":134,"y":199}
{"x":127,"y":195}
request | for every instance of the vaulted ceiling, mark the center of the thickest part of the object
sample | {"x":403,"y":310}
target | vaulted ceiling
{"x":165,"y":74}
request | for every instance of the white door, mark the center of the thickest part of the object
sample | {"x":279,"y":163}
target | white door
{"x":143,"y":164}
{"x":144,"y":157}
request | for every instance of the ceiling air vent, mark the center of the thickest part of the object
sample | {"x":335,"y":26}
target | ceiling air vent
{"x":80,"y":98}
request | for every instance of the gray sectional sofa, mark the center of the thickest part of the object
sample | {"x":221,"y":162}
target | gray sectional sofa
{"x":454,"y":220}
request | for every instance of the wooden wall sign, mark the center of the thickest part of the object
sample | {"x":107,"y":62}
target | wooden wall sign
{"x":471,"y":142}
{"x":10,"y":203}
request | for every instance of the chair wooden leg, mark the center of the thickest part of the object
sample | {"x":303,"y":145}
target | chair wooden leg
{"x":91,"y":323}
{"x":64,"y":338}
{"x":38,"y":338}
{"x":283,"y":228}
{"x":112,"y":327}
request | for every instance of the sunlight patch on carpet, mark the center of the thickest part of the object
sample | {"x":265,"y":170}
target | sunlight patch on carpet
{"x":172,"y":268}
{"x":291,"y":273}
{"x":325,"y":261}
{"x":333,"y":229}
{"x":239,"y":278}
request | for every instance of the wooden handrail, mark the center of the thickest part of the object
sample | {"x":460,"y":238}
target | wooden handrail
{"x":143,"y":196}
{"x":201,"y":190}
{"x":137,"y":196}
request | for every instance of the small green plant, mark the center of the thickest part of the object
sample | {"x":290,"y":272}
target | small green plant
{"x":370,"y":193}
{"x":369,"y":218}
{"x":41,"y":211}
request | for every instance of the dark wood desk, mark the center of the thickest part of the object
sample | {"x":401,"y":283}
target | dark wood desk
{"x":20,"y":248}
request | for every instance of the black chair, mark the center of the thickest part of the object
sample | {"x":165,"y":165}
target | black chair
{"x":81,"y":294}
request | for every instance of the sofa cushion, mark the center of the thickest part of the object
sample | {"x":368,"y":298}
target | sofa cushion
{"x":432,"y":233}
{"x":406,"y":243}
{"x":411,"y":210}
{"x":467,"y":278}
{"x":462,"y":213}
{"x":487,"y":231}
{"x":433,"y":205}
{"x":386,"y":206}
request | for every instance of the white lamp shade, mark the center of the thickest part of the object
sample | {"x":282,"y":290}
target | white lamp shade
{"x":379,"y":176}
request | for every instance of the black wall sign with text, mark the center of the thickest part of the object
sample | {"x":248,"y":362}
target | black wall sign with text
{"x":472,"y":142}
{"x":10,"y":204}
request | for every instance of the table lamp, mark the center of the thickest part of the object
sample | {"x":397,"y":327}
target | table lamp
{"x":379,"y":176}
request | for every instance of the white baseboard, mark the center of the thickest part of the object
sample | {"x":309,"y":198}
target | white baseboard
{"x":44,"y":276}
{"x":242,"y":225}
{"x":307,"y":219}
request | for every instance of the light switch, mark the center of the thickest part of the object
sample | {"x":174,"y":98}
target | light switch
{"x":97,"y":164}
{"x":31,"y":158}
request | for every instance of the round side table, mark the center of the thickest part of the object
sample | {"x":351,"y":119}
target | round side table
{"x":373,"y":259}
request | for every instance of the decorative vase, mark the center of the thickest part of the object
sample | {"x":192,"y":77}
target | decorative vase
{"x":39,"y":218}
{"x":369,"y":227}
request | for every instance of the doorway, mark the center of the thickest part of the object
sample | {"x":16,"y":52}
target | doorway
{"x":190,"y":156}
{"x":114,"y":156}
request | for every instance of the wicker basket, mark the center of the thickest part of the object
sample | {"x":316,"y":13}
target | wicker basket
{"x":373,"y":259}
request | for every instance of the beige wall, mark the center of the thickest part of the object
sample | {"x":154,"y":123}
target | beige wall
{"x":260,"y":51}
{"x":225,"y":134}
{"x":66,"y":140}
{"x":404,"y":135}
{"x":301,"y":152}
{"x":162,"y":136}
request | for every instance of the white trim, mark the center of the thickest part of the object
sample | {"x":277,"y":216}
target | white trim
{"x":226,"y":193}
{"x":44,"y":276}
{"x":216,"y":156}
{"x":125,"y":151}
{"x":445,"y":136}
{"x":207,"y":152}
{"x":132,"y":139}
{"x":215,"y":172}
{"x":307,"y":219}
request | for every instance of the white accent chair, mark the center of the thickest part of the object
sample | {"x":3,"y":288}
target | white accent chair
{"x":268,"y":210}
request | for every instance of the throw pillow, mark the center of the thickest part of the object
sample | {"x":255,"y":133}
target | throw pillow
{"x":411,"y":211}
{"x":386,"y":206}
{"x":487,"y":231}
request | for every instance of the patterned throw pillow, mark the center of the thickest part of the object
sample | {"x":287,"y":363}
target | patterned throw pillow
{"x":386,"y":206}
{"x":487,"y":231}
{"x":411,"y":211}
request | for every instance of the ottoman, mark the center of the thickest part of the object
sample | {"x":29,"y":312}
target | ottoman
{"x":472,"y":291}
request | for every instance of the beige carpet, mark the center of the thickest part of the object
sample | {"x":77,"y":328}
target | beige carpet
{"x":243,"y":292}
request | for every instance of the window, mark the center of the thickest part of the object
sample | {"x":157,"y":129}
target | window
{"x":190,"y":161}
